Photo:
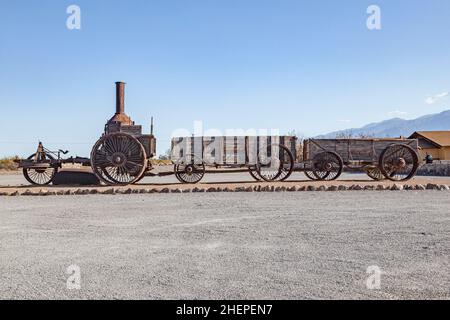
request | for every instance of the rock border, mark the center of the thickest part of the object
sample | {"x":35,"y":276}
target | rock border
{"x":257,"y":188}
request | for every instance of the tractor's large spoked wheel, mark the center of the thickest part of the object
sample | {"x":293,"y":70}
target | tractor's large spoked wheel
{"x":327,"y":166}
{"x":118,"y":159}
{"x":374,"y":172}
{"x":399,"y":162}
{"x":40,"y":176}
{"x":276,"y":164}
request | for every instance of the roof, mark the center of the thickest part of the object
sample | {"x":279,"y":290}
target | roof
{"x":440,"y":138}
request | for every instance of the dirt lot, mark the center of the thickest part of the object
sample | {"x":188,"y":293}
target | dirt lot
{"x":227,"y":245}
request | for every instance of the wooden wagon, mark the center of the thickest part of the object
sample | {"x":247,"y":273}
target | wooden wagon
{"x":393,"y":159}
{"x":269,"y":158}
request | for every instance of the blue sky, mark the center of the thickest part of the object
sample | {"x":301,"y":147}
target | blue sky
{"x":309,"y":66}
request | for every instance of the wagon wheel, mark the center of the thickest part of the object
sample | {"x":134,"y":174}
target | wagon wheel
{"x":313,"y":176}
{"x":399,"y":162}
{"x":320,"y":175}
{"x":254,"y":173}
{"x":40,"y":176}
{"x":286,"y":172}
{"x":327,"y":165}
{"x":118,"y":159}
{"x":277,"y":168}
{"x":190,"y":172}
{"x":310,"y":174}
{"x":375,"y":173}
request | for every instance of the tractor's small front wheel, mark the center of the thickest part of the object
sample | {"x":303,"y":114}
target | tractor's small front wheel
{"x":40,"y":176}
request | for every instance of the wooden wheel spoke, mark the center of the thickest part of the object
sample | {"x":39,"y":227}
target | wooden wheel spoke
{"x":134,"y":164}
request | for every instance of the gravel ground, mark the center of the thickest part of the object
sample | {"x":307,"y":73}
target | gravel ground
{"x":227,"y":245}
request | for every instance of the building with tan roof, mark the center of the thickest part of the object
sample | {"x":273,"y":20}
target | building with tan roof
{"x":435,"y":143}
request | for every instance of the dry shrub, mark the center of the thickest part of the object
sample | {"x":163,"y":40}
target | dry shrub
{"x":8,"y":163}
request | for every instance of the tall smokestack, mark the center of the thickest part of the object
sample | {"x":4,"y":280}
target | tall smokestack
{"x":120,"y":97}
{"x":151,"y":127}
{"x":120,"y":116}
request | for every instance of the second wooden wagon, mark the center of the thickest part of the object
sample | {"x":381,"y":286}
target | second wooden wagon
{"x":393,"y":159}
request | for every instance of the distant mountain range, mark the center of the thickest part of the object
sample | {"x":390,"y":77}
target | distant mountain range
{"x":397,"y":127}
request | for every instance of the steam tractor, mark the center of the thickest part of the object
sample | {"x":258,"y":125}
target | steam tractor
{"x":121,"y":155}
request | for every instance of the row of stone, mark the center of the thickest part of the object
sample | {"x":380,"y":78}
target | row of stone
{"x":110,"y":191}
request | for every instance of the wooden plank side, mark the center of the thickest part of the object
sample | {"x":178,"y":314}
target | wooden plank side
{"x":218,"y":150}
{"x":367,"y":150}
{"x":213,"y":150}
{"x":177,"y":149}
{"x":316,"y":146}
{"x":229,"y":150}
{"x":361,"y":150}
